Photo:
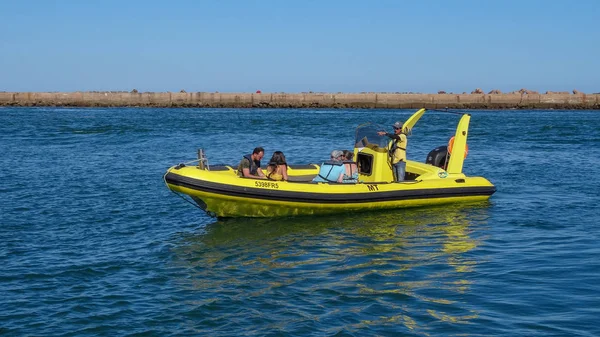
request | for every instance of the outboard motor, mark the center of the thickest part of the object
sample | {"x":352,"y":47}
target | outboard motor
{"x":438,"y":157}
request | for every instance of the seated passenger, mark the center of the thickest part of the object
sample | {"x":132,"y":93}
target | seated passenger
{"x":351,"y":174}
{"x":249,"y":166}
{"x":277,"y":169}
{"x":332,"y":170}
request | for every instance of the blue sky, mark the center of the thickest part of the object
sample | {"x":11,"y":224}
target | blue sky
{"x":297,"y":46}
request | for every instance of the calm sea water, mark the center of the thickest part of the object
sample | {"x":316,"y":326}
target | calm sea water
{"x":93,"y":243}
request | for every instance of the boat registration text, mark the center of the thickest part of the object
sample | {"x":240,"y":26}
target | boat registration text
{"x":266,"y":184}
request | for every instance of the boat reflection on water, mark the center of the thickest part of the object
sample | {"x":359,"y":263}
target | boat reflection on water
{"x":414,"y":262}
{"x":451,"y":220}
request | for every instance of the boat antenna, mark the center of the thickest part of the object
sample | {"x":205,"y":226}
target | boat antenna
{"x":202,"y":160}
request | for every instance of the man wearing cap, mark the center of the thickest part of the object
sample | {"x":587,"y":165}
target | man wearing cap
{"x":333,"y":170}
{"x":397,"y":150}
{"x":249,"y":167}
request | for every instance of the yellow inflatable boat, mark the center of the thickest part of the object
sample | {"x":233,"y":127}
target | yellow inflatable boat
{"x":221,"y":192}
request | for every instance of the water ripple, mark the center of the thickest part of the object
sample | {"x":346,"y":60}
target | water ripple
{"x":92,"y":243}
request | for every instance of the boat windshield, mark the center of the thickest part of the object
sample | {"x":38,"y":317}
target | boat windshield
{"x":366,"y":136}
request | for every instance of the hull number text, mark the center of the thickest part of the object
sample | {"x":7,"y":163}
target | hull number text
{"x":266,"y":184}
{"x":373,"y":187}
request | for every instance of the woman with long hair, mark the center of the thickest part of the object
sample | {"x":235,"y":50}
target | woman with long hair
{"x":277,"y":167}
{"x":351,"y":174}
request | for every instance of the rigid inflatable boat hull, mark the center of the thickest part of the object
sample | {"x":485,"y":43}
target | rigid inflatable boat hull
{"x":290,"y":199}
{"x":221,"y":192}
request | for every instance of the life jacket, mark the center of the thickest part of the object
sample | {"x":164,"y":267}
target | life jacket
{"x":394,"y":147}
{"x":331,"y":164}
{"x":254,"y":165}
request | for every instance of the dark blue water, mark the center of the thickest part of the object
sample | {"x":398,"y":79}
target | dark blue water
{"x":93,"y":243}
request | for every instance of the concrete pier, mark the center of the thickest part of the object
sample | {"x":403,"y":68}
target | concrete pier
{"x":519,"y":100}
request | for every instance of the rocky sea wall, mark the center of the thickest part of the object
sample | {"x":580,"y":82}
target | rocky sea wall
{"x":518,"y":100}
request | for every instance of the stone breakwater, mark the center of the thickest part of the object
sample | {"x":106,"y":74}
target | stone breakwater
{"x":519,"y":100}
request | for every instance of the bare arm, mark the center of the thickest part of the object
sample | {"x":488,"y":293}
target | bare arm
{"x":284,"y":172}
{"x":391,"y":135}
{"x":246,"y":172}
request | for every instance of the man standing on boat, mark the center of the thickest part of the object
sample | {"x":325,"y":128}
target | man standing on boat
{"x":397,"y":150}
{"x":249,"y":167}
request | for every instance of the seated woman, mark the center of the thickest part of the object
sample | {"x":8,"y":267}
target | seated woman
{"x":351,"y":174}
{"x":333,"y":170}
{"x":277,"y":167}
